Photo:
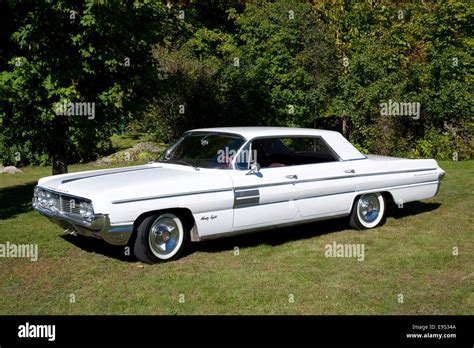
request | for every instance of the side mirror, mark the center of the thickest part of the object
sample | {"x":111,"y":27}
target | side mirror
{"x":254,"y":169}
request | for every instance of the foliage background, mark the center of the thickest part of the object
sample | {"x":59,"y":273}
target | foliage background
{"x":324,"y":64}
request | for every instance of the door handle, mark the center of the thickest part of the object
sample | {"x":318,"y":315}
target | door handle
{"x":291,"y":176}
{"x":349,"y":171}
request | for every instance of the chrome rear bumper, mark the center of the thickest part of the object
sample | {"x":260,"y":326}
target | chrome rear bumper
{"x":440,"y":178}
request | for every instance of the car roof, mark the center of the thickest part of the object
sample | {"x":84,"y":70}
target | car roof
{"x":345,"y":150}
{"x":252,"y":132}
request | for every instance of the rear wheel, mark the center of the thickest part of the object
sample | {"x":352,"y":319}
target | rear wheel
{"x":160,"y":237}
{"x":368,"y":211}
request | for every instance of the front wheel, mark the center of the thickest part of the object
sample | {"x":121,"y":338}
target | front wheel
{"x":159,"y":238}
{"x":368,"y":211}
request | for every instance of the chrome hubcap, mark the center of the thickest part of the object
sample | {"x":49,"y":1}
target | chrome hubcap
{"x":369,"y":208}
{"x":164,"y":236}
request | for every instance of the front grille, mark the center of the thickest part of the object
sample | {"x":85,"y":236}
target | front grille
{"x":56,"y":201}
{"x":69,"y":204}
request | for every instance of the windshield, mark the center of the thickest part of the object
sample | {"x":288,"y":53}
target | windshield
{"x":203,"y":149}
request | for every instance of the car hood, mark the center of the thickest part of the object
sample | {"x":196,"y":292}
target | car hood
{"x":136,"y":182}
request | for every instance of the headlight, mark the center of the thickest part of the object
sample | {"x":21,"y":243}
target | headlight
{"x":86,"y":210}
{"x":41,"y":197}
{"x":44,"y":198}
{"x":49,"y":200}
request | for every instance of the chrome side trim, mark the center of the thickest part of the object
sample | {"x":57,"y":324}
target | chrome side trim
{"x":125,"y":228}
{"x":356,"y":159}
{"x":388,"y":188}
{"x":378,"y":189}
{"x":246,"y":193}
{"x":120,"y":201}
{"x":304,"y":221}
{"x":295,"y":200}
{"x":250,"y":187}
{"x":348,"y":176}
{"x":397,"y":172}
{"x":293,"y":182}
{"x":246,"y":198}
{"x":326,"y":195}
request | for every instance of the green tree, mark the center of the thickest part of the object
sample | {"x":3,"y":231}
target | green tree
{"x":286,"y":71}
{"x":404,"y":51}
{"x":78,"y":51}
{"x":272,"y":66}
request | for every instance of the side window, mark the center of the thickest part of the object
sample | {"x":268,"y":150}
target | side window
{"x":286,"y":151}
{"x":314,"y":147}
{"x":255,"y":152}
{"x":292,"y":151}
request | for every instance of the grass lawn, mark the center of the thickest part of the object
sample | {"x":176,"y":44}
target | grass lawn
{"x":411,"y":255}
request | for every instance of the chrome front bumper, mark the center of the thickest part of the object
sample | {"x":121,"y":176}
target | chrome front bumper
{"x":97,"y":227}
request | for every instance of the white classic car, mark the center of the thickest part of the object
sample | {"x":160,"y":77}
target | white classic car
{"x":217,"y":182}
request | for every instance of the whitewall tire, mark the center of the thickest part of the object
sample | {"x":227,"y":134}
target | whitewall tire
{"x":160,"y":238}
{"x":368,"y":211}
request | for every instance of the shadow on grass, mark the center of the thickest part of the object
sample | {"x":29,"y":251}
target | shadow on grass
{"x":97,"y":246}
{"x":16,"y":200}
{"x":273,"y":237}
{"x":412,"y":208}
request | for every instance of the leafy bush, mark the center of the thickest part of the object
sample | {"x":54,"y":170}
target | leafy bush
{"x":21,"y":154}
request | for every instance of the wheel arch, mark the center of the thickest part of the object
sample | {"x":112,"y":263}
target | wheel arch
{"x":185,"y":215}
{"x":387,"y":195}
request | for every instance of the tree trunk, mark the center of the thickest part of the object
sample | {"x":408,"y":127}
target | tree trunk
{"x":58,"y":150}
{"x":60,"y":160}
{"x":344,"y":127}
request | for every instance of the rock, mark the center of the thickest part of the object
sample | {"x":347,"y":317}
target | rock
{"x":102,"y":161}
{"x":11,"y":170}
{"x":142,"y":152}
{"x":145,"y":147}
